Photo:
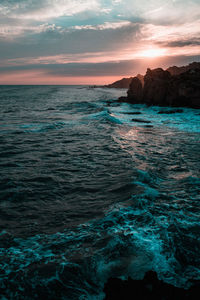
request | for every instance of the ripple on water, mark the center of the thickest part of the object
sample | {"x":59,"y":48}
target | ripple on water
{"x":86,"y":193}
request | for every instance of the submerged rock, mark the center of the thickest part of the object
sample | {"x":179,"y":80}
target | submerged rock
{"x":148,"y":288}
{"x":122,"y":99}
{"x":148,"y":126}
{"x":141,"y":121}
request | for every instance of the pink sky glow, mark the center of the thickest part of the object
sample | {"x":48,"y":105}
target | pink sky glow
{"x":90,"y":42}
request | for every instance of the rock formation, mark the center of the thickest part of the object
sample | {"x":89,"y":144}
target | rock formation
{"x":179,"y":70}
{"x":148,"y":288}
{"x":184,"y":89}
{"x":120,"y":84}
{"x":141,"y":78}
{"x":162,"y":89}
{"x":124,"y":82}
{"x":156,"y":85}
{"x":135,"y":90}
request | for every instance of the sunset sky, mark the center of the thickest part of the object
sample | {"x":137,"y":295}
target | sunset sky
{"x":94,"y":41}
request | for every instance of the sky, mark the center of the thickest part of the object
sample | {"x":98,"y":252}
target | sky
{"x":94,"y":41}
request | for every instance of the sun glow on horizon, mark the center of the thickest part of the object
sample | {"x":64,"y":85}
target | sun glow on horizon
{"x":153,"y":52}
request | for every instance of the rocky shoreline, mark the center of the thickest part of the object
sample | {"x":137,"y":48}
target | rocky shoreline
{"x":163,"y":89}
{"x":150,"y":287}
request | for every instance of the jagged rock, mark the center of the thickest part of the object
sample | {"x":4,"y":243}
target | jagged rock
{"x":184,"y":89}
{"x":124,"y":82}
{"x":148,"y":288}
{"x":122,"y":99}
{"x":179,"y":70}
{"x":120,"y":84}
{"x":163,"y":89}
{"x":156,"y":85}
{"x":141,"y":78}
{"x":135,"y":90}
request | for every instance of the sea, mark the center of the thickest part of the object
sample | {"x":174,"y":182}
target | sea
{"x":91,"y":188}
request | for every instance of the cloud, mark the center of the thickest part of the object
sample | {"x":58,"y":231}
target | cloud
{"x":80,"y":33}
{"x":120,"y":68}
{"x":104,"y":26}
{"x":12,"y":32}
{"x":179,"y":39}
{"x":173,"y":12}
{"x":54,"y":40}
{"x":181,"y":43}
{"x":46,"y":9}
{"x":171,"y":31}
{"x":154,"y":11}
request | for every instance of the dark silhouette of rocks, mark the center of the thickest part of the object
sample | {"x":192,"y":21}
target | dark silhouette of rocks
{"x":141,"y":78}
{"x":184,"y":89}
{"x":163,"y":89}
{"x":148,"y":288}
{"x":123,"y":99}
{"x":124,"y":82}
{"x":120,"y":84}
{"x":156,"y":85}
{"x":179,"y":70}
{"x":135,"y":90}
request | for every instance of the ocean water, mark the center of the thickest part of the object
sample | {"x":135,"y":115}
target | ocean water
{"x":88,"y":192}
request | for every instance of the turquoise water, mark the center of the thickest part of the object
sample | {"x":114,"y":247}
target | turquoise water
{"x":93,"y":188}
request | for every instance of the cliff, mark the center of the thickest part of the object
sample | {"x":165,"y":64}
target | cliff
{"x":163,"y":89}
{"x":124,"y":82}
{"x":179,"y":70}
{"x":120,"y":84}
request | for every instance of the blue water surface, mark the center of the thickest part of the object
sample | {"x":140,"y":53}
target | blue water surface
{"x":91,"y":188}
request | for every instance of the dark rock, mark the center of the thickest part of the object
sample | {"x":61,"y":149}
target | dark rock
{"x":141,"y":78}
{"x":122,"y":99}
{"x":170,"y":111}
{"x":156,"y":85}
{"x":184,"y":89}
{"x":93,"y":87}
{"x":163,"y":89}
{"x":7,"y":240}
{"x":148,"y":288}
{"x":179,"y":70}
{"x":141,"y":121}
{"x":135,"y":90}
{"x":120,"y":84}
{"x":124,"y":82}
